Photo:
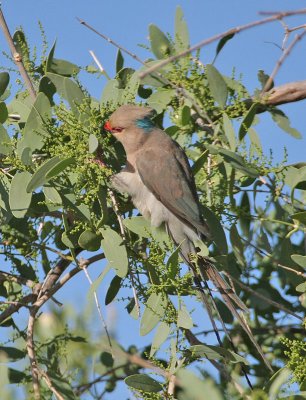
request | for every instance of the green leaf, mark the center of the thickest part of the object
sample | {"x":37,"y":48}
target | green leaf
{"x":283,"y":122}
{"x":119,"y":61}
{"x":69,"y":239}
{"x":21,"y":44}
{"x":173,"y":263}
{"x":181,"y":31}
{"x":68,"y":89}
{"x":16,"y":376}
{"x":222,"y":43}
{"x":281,"y":377}
{"x":245,"y":219}
{"x":63,"y":67}
{"x":19,"y":198}
{"x":237,"y":162}
{"x":153,"y":313}
{"x":300,"y":216}
{"x":107,"y":359}
{"x":217,"y":85}
{"x":301,"y":287}
{"x":111,"y":93}
{"x":47,"y":87}
{"x":115,"y":251}
{"x":113,"y":289}
{"x":160,"y":44}
{"x":4,"y":199}
{"x":263,"y":78}
{"x":300,"y":260}
{"x":229,"y":132}
{"x":184,"y":319}
{"x":247,"y":121}
{"x":93,"y":143}
{"x":60,"y":167}
{"x":215,"y":353}
{"x":50,"y":58}
{"x":39,"y":178}
{"x":12,"y":353}
{"x":138,"y":225}
{"x":21,"y":106}
{"x":98,"y":281}
{"x":89,"y":240}
{"x":5,"y":142}
{"x":52,"y":195}
{"x":160,"y":99}
{"x":3,"y":112}
{"x":35,"y":130}
{"x":143,"y":382}
{"x":4,"y":81}
{"x":199,"y":163}
{"x":161,"y":335}
{"x":194,"y":388}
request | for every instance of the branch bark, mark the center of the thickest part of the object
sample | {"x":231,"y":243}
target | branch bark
{"x":16,"y":56}
{"x":238,"y":29}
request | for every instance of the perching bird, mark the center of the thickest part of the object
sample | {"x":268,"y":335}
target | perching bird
{"x":159,"y":180}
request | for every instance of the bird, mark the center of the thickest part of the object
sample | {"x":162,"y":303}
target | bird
{"x":158,"y":178}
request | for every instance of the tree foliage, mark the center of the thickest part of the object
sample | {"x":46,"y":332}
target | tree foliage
{"x":59,"y":216}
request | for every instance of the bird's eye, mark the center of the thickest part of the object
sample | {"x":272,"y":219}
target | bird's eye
{"x":117,"y":129}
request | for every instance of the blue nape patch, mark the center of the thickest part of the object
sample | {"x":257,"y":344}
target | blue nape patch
{"x":145,"y":123}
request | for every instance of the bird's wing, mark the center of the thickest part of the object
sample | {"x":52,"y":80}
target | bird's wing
{"x":166,"y":173}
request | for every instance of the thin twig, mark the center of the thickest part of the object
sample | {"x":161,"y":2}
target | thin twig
{"x":84,"y":268}
{"x":6,"y":276}
{"x":219,"y":36}
{"x":31,"y":353}
{"x":16,"y":56}
{"x":281,"y":60}
{"x":13,"y":308}
{"x":266,"y":254}
{"x":50,"y":385}
{"x":179,"y":89}
{"x":262,"y":297}
{"x":96,"y":60}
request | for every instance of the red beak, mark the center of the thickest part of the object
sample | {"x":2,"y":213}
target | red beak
{"x":107,"y":126}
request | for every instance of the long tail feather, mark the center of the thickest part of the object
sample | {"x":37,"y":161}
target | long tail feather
{"x":230,"y":299}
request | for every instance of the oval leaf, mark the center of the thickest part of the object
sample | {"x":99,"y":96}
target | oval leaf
{"x":39,"y":178}
{"x":90,"y":241}
{"x":153,"y":313}
{"x":143,"y":382}
{"x":184,"y":319}
{"x":113,"y":289}
{"x":19,"y":198}
{"x":3,"y":112}
{"x":4,"y":81}
{"x":160,"y":44}
{"x":92,"y":143}
{"x":59,"y":167}
{"x":217,"y":85}
{"x":138,"y":225}
{"x":247,"y":121}
{"x":300,"y":260}
{"x":115,"y":251}
{"x":5,"y":142}
{"x":161,"y":334}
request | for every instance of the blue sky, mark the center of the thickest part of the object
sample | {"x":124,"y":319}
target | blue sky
{"x":126,"y":22}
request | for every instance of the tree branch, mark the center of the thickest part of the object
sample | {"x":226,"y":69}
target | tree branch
{"x":16,"y":56}
{"x":31,"y":354}
{"x":274,"y":17}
